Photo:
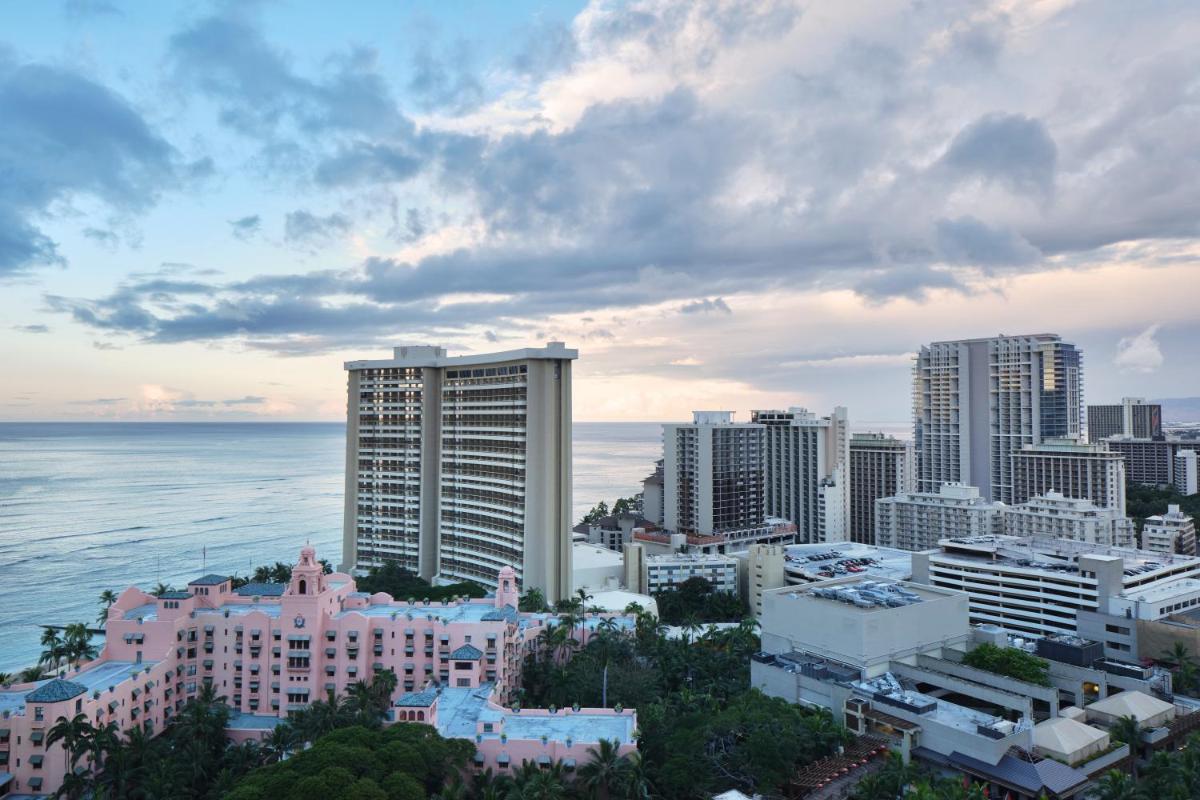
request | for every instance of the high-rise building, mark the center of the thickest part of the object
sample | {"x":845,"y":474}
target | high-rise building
{"x":652,"y":495}
{"x":1172,"y":532}
{"x":713,"y":473}
{"x":1147,"y":461}
{"x":975,"y":401}
{"x":807,"y":460}
{"x":1133,"y":417}
{"x":1187,"y":471}
{"x":457,"y":467}
{"x":1074,"y":468}
{"x":919,"y":520}
{"x":1053,"y":516}
{"x":880,"y":466}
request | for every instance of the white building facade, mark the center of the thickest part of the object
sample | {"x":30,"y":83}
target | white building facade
{"x":1187,"y":471}
{"x":1072,"y":467}
{"x":975,"y":401}
{"x":919,"y":520}
{"x":807,"y":471}
{"x":1172,"y":532}
{"x":459,"y":466}
{"x":1057,"y":517}
{"x":665,"y":572}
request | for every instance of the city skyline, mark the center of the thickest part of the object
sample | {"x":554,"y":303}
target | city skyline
{"x":744,"y":206}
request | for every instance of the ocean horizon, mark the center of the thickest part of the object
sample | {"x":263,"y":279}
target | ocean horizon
{"x":89,"y":506}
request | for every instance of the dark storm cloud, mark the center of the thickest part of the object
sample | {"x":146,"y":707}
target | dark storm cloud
{"x":63,"y":135}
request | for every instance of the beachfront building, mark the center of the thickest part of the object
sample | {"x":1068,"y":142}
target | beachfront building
{"x":457,"y":466}
{"x":272,"y":649}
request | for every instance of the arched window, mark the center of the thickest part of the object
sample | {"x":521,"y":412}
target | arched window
{"x":421,"y":716}
{"x":303,"y":586}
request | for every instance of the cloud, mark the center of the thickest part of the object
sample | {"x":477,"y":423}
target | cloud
{"x":248,"y":400}
{"x":1010,"y":148}
{"x":688,"y":361}
{"x":99,"y":401}
{"x":106,"y":346}
{"x":706,"y":305}
{"x":32,"y":328}
{"x":1140,"y":352}
{"x":307,"y":229}
{"x":64,"y":136}
{"x":227,"y":58}
{"x":681,"y":151}
{"x":245,"y":228}
{"x":445,"y":81}
{"x":853,"y":361}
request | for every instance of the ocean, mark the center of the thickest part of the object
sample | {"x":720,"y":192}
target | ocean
{"x":91,"y":506}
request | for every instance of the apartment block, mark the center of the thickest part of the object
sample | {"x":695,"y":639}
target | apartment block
{"x":919,"y":520}
{"x":457,"y":466}
{"x":1147,"y":461}
{"x":880,"y":466}
{"x":1071,"y":467}
{"x":976,"y":401}
{"x":714,"y":475}
{"x":1173,"y":532}
{"x":665,"y":572}
{"x":1187,"y":471}
{"x":1133,"y":417}
{"x":1054,"y":516}
{"x":807,"y":471}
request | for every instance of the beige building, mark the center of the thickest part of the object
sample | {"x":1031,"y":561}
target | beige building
{"x":1172,"y":532}
{"x":1056,"y":517}
{"x":880,"y":466}
{"x":919,"y":520}
{"x":1075,"y":468}
{"x":457,"y":466}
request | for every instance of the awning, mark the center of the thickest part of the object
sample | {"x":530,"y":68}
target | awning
{"x":209,"y":628}
{"x":208,"y":662}
{"x":113,"y":706}
{"x":331,"y":670}
{"x":479,"y":757}
{"x":379,"y":631}
{"x":37,"y":760}
{"x":37,"y":736}
{"x":543,"y":760}
{"x":568,"y":764}
{"x":35,"y":783}
{"x":330,"y":652}
{"x":502,"y":759}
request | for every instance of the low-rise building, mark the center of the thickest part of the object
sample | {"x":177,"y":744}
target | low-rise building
{"x":918,"y":520}
{"x":1172,"y":532}
{"x":1057,"y":517}
{"x":1039,"y":587}
{"x":664,"y":572}
{"x":613,"y":530}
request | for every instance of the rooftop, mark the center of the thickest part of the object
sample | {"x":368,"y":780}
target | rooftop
{"x":961,"y":718}
{"x":809,"y":561}
{"x":261,"y":590}
{"x":253,"y":722}
{"x":866,"y":595}
{"x":460,"y":711}
{"x":211,"y":579}
{"x":1054,"y":555}
{"x":426,"y":356}
{"x":55,"y":691}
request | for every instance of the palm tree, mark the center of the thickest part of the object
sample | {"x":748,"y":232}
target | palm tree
{"x":6,"y":678}
{"x":262,"y":575}
{"x":1116,"y":785}
{"x":77,"y":644}
{"x":75,"y":734}
{"x":31,"y":674}
{"x":52,"y":648}
{"x":280,"y":743}
{"x":160,"y":589}
{"x":76,"y":784}
{"x":107,"y":598}
{"x":607,"y":770}
{"x":1128,"y":730}
{"x":383,"y":686}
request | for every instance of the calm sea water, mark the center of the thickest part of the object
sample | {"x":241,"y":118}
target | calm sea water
{"x":90,"y":506}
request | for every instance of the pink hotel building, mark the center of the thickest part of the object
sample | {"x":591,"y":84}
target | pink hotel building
{"x":271,"y":649}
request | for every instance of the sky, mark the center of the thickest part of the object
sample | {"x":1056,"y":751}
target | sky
{"x":206,"y":208}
